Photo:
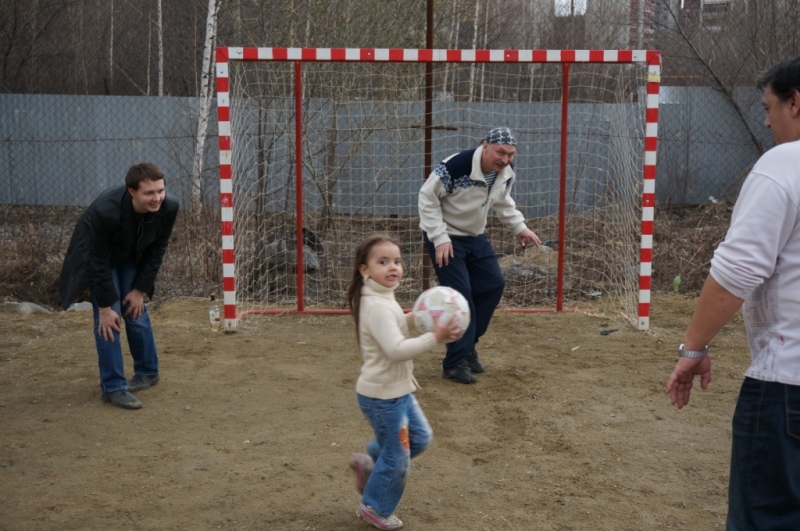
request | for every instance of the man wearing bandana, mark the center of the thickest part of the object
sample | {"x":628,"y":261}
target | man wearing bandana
{"x":454,"y":202}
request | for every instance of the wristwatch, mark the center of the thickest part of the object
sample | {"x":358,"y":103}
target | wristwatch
{"x":692,"y":353}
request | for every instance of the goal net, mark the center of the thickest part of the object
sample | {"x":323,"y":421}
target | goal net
{"x":321,"y":147}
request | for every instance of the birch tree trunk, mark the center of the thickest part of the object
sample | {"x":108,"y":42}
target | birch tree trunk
{"x":204,"y":104}
{"x":474,"y":47}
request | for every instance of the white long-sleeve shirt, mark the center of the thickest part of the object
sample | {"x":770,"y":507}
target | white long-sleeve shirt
{"x":759,"y":261}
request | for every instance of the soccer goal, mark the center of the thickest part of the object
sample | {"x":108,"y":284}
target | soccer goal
{"x":320,"y":147}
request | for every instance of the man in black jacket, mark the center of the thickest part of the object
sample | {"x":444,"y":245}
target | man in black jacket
{"x":116,"y":251}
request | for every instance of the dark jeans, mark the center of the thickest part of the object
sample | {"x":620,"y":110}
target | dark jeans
{"x":141,"y":342}
{"x":764,"y":491}
{"x":475,"y":273}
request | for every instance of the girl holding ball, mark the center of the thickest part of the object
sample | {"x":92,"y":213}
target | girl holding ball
{"x":386,"y":382}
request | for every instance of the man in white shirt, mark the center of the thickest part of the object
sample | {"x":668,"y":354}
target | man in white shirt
{"x":758,"y":265}
{"x":453,"y":205}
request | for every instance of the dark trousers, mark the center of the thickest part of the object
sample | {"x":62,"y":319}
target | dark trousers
{"x":475,"y":273}
{"x":764,"y":490}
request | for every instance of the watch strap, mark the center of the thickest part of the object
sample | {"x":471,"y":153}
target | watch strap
{"x":692,"y":353}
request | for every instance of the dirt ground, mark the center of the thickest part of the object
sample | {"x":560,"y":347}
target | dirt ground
{"x":567,"y":429}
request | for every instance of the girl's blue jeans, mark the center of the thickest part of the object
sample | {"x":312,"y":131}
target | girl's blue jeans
{"x":401,"y":432}
{"x":764,"y":490}
{"x":141,"y":341}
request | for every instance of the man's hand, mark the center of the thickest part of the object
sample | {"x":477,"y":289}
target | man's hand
{"x":679,"y":385}
{"x":527,"y":236}
{"x":109,"y":323}
{"x":135,"y":304}
{"x":444,"y":253}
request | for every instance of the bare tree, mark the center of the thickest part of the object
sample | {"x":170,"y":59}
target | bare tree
{"x":160,"y":50}
{"x":726,"y":48}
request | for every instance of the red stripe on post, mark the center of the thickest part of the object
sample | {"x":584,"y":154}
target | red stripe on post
{"x":225,"y":171}
{"x":222,"y":84}
{"x":222,"y":54}
{"x":651,"y":116}
{"x":338,"y":54}
{"x":224,"y":114}
{"x":625,"y":56}
{"x":227,"y":228}
{"x":482,"y":56}
{"x":230,"y":311}
{"x":648,"y":200}
{"x":654,"y":57}
{"x":652,"y":87}
{"x":454,"y":56}
{"x":540,"y":56}
{"x":224,"y":143}
{"x":511,"y":56}
{"x":250,"y":54}
{"x":228,"y":284}
{"x":308,"y":54}
{"x":647,"y":228}
{"x":367,"y":54}
{"x":645,"y":256}
{"x":568,"y":56}
{"x":645,"y":282}
{"x":227,"y":255}
{"x":597,"y":56}
{"x":396,"y":54}
{"x":226,"y":200}
{"x":650,"y":171}
{"x":644,"y":309}
{"x":425,"y":56}
{"x":280,"y":54}
{"x":650,"y":143}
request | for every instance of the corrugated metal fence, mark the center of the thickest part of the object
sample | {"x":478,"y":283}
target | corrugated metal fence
{"x":61,"y":150}
{"x":58,"y":152}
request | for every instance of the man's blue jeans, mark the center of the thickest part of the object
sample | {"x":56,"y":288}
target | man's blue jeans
{"x":475,"y":273}
{"x":764,"y":491}
{"x":401,"y":432}
{"x":141,"y":342}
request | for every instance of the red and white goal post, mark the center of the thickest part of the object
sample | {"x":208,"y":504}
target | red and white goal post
{"x":320,"y":147}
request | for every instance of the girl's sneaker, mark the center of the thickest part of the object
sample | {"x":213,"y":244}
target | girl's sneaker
{"x":370,"y":515}
{"x":362,"y":465}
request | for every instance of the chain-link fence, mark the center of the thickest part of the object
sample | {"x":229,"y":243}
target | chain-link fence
{"x":59,"y":152}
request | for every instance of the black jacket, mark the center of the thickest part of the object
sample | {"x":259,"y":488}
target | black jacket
{"x":105,"y":234}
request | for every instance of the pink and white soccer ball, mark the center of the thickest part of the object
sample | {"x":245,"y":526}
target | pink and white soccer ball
{"x":440,"y":302}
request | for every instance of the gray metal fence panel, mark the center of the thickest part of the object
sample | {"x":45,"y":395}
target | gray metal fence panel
{"x":61,"y":150}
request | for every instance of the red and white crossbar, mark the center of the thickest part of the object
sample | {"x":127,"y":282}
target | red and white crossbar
{"x":396,"y":55}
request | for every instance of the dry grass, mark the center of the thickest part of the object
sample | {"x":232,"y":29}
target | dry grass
{"x":33,"y":240}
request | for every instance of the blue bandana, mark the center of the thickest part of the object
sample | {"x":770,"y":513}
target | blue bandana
{"x":501,"y":135}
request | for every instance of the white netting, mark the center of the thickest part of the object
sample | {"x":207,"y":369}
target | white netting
{"x":363,"y":161}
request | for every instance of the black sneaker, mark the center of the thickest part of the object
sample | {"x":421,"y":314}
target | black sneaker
{"x":474,"y":363}
{"x":141,"y":382}
{"x":123,"y":399}
{"x":460,"y":373}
